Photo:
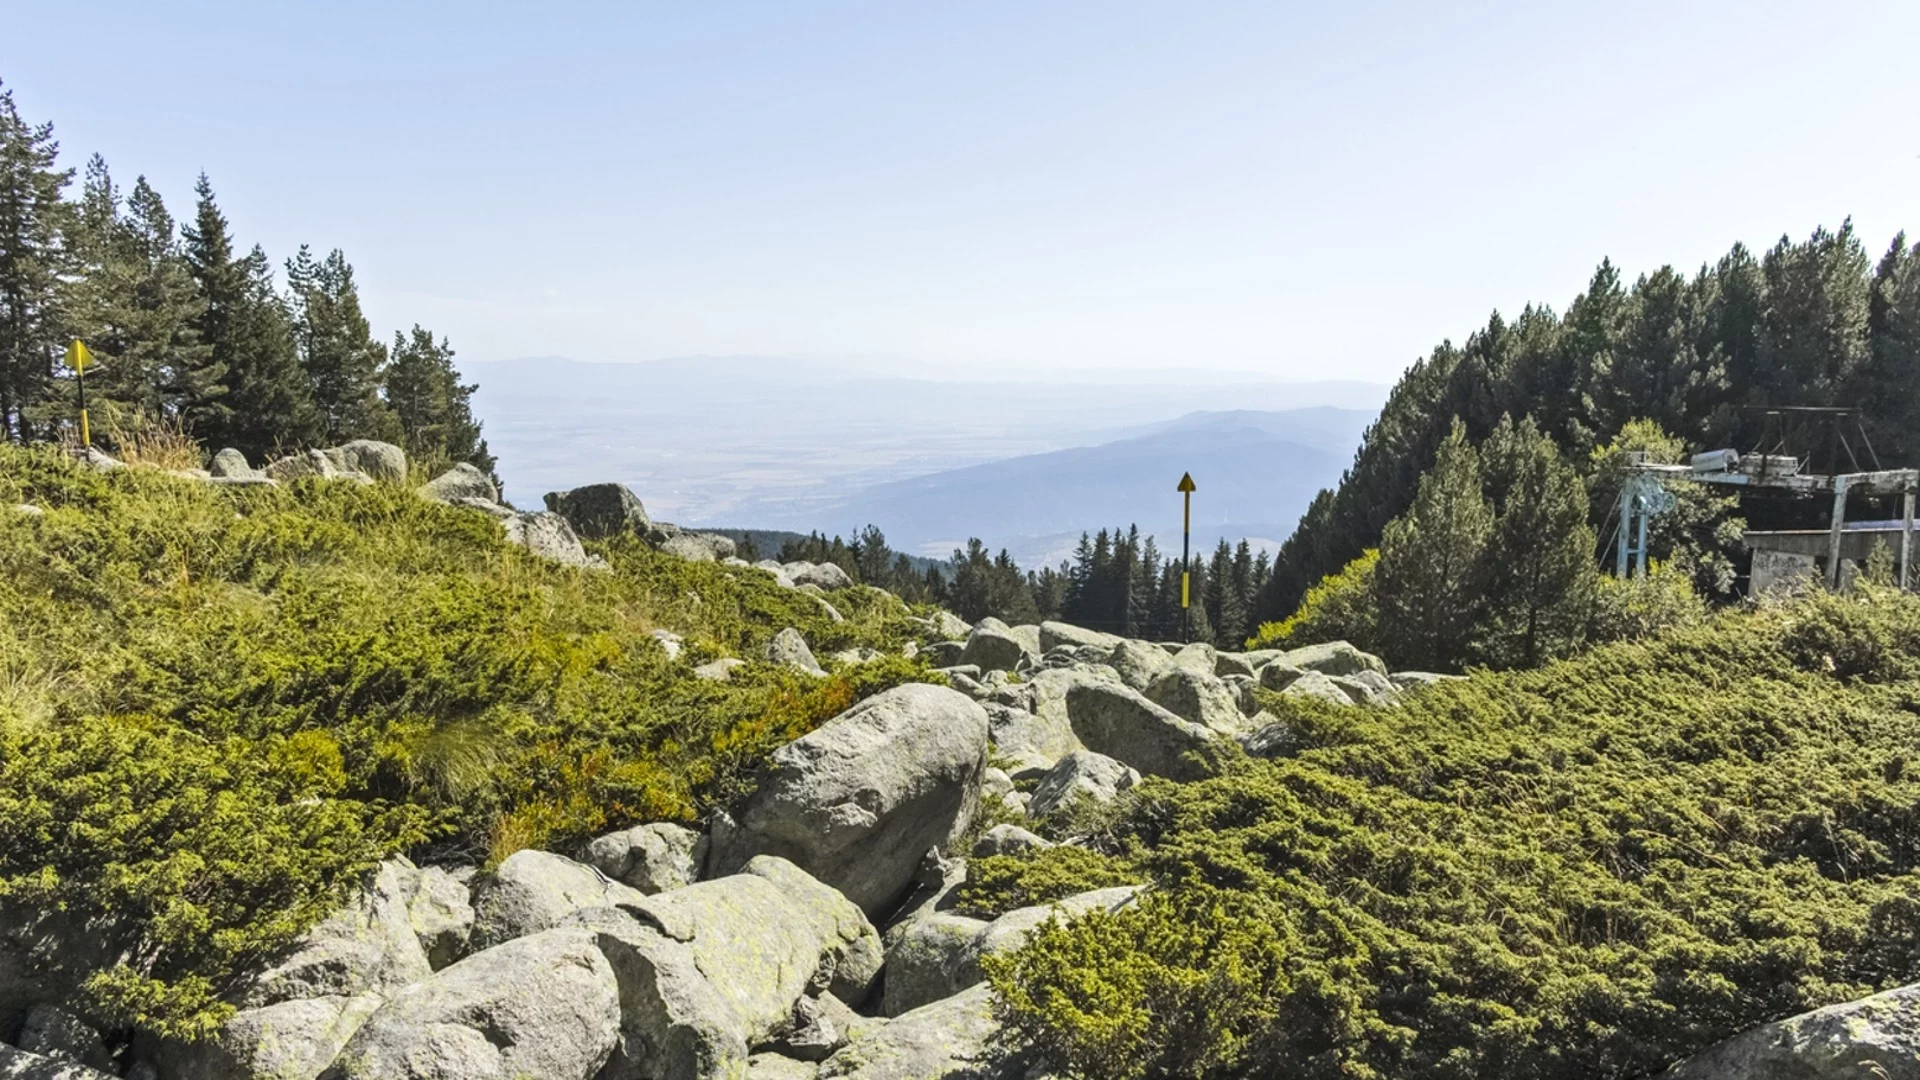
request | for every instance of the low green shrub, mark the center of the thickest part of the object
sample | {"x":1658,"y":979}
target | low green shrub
{"x":1589,"y":870}
{"x":219,"y":708}
{"x":997,"y":884}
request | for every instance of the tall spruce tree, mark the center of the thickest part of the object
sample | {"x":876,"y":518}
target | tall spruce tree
{"x":435,"y":410}
{"x":343,"y":362}
{"x":1892,"y":379}
{"x":243,"y":321}
{"x":1540,"y":574}
{"x":1432,"y":568}
{"x":33,"y":257}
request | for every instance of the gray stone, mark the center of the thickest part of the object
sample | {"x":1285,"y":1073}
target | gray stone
{"x":1875,"y":1037}
{"x":491,"y":509}
{"x":1081,"y":775}
{"x":1026,"y":735}
{"x":1138,"y":663}
{"x":1365,"y":687}
{"x":1008,"y":840}
{"x":936,"y":955}
{"x":1124,"y":725}
{"x":534,"y":890}
{"x":97,"y":460}
{"x":231,"y":464}
{"x":461,"y":481}
{"x":780,"y":1067}
{"x":545,"y":1006}
{"x":1055,"y":634}
{"x":813,"y":1032}
{"x":313,"y":463}
{"x":825,"y":575}
{"x":651,"y":858}
{"x":1198,"y":657}
{"x":993,"y":646}
{"x":28,"y":509}
{"x":945,"y":654}
{"x":1242,"y":687}
{"x":860,"y":654}
{"x":948,"y":626}
{"x":51,"y":1031}
{"x":1200,"y":697}
{"x":720,"y":670}
{"x":669,"y":641}
{"x":1051,"y":733}
{"x":382,"y":461}
{"x":440,"y":909}
{"x":367,"y":946}
{"x":1332,"y":658}
{"x":779,"y":573}
{"x":789,"y":649}
{"x":1413,"y":680}
{"x":1272,"y":738}
{"x":18,"y":1064}
{"x":289,"y":1040}
{"x":1226,"y":663}
{"x":699,"y":546}
{"x":859,"y":800}
{"x":951,"y":1039}
{"x":598,"y":511}
{"x":1316,"y":685}
{"x":548,"y":536}
{"x":1278,"y":676}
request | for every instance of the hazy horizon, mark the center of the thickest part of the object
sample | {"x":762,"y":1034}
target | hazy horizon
{"x":1010,"y":190}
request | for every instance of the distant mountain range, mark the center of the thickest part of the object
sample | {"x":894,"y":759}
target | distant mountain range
{"x":1255,"y":471}
{"x":770,"y":443}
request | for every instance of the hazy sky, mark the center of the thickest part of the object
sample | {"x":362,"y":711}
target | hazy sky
{"x":1013,"y":188}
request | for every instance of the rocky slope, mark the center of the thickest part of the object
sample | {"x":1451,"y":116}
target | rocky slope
{"x":811,"y":929}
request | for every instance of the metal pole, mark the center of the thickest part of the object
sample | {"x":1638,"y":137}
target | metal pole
{"x":1906,"y":539}
{"x":86,"y":436}
{"x":1626,"y":522}
{"x":1186,"y":565}
{"x":1836,"y":530}
{"x":1640,"y":564}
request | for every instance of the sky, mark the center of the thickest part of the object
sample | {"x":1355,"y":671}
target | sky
{"x":991,"y":189}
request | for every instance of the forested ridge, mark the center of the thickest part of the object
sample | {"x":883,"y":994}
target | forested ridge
{"x":1814,"y":322}
{"x":196,"y":341}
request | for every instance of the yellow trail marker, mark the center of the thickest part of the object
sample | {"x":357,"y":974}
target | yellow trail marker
{"x":78,"y":357}
{"x":1186,"y":489}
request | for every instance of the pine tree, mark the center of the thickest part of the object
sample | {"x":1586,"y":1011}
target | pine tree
{"x":344,"y":364}
{"x":32,"y":259}
{"x":243,"y":321}
{"x":1432,"y":562}
{"x":1540,"y":569}
{"x":435,"y":412}
{"x":1813,"y":339}
{"x":1890,"y":381}
{"x":1219,"y":603}
{"x":138,"y":308}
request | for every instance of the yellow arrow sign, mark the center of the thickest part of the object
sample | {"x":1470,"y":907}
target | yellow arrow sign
{"x":78,"y":355}
{"x":1186,"y":479}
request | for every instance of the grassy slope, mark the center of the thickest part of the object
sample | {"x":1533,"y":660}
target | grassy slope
{"x":219,"y":707}
{"x":1586,"y":871}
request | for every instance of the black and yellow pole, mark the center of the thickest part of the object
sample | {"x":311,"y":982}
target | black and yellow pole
{"x":1186,"y":490}
{"x":78,"y":357}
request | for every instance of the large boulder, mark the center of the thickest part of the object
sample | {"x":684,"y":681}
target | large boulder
{"x":231,"y":464}
{"x":789,"y":649}
{"x":1200,"y":697}
{"x":1319,"y":686}
{"x":16,"y":1064}
{"x":936,"y":954}
{"x":1032,"y":737}
{"x":598,"y":511}
{"x":1052,"y":734}
{"x":381,"y":461}
{"x":859,"y":800}
{"x":651,"y":858}
{"x":1124,"y":725}
{"x":440,"y":907}
{"x":548,"y":536}
{"x":825,"y":575}
{"x":1365,"y":687}
{"x":535,"y":890}
{"x":953,"y":1039}
{"x":711,"y":969}
{"x":368,"y":946}
{"x":545,"y":1006}
{"x":1055,"y":634}
{"x":289,"y":1040}
{"x":1138,"y":663}
{"x":463,"y":481}
{"x":1277,"y":676}
{"x":1199,"y":657}
{"x":1227,"y":663}
{"x":314,"y":463}
{"x":699,"y":546}
{"x":51,"y":1031}
{"x":1081,"y":775}
{"x":993,"y":646}
{"x":1332,"y":658}
{"x":1875,"y":1037}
